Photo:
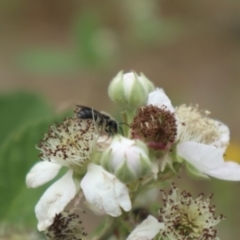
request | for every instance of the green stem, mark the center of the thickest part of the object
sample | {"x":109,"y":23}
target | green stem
{"x":127,"y":117}
{"x":124,"y":126}
{"x":130,"y":116}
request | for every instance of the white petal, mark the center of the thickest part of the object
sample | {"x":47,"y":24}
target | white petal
{"x":159,"y":98}
{"x":203,"y":157}
{"x":147,"y":230}
{"x":129,"y":79}
{"x":122,"y":195}
{"x":228,"y":171}
{"x":105,"y":191}
{"x":54,"y":200}
{"x":224,"y":139}
{"x":209,"y":160}
{"x":41,"y":173}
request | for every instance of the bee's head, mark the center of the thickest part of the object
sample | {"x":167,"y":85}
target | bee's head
{"x":112,"y":127}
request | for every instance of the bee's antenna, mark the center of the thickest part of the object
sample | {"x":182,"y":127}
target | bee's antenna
{"x":124,"y":124}
{"x":121,"y":130}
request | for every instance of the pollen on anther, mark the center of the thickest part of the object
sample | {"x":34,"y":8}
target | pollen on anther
{"x":155,"y":126}
{"x":66,"y":226}
{"x":70,"y":143}
{"x":195,"y":125}
{"x":186,"y":217}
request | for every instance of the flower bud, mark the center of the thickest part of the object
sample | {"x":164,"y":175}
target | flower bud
{"x":127,"y":159}
{"x":129,"y":90}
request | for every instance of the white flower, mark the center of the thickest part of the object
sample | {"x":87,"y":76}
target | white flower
{"x":127,"y":159}
{"x":66,"y":226}
{"x":71,"y":144}
{"x":195,"y":125}
{"x":201,"y":141}
{"x":105,"y":191}
{"x":129,"y":90}
{"x":54,"y":200}
{"x":156,"y":126}
{"x":147,"y":230}
{"x":187,"y":218}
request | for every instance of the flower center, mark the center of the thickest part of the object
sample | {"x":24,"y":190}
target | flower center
{"x":188,"y":218}
{"x":66,"y":226}
{"x":156,"y":126}
{"x":195,"y":125}
{"x":70,"y":143}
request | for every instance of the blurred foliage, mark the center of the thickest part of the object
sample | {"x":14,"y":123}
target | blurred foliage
{"x":18,"y":109}
{"x":48,"y":61}
{"x":16,"y":233}
{"x":146,"y":26}
{"x":97,"y":46}
{"x":94,"y":46}
{"x":25,"y":117}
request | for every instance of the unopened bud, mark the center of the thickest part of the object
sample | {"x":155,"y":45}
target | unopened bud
{"x":129,"y":90}
{"x":127,"y":159}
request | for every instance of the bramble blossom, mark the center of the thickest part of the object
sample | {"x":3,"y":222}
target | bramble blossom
{"x":72,"y":144}
{"x":187,"y":218}
{"x":200,"y":140}
{"x":116,"y":173}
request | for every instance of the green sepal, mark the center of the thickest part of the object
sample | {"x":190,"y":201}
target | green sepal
{"x":192,"y":171}
{"x":145,"y":166}
{"x":106,"y":160}
{"x":125,"y":174}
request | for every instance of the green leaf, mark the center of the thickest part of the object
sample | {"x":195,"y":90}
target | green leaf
{"x":84,"y":30}
{"x":48,"y":61}
{"x":18,"y":154}
{"x":18,"y":109}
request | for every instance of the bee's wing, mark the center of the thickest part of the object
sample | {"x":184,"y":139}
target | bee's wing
{"x":84,"y":107}
{"x":106,"y":115}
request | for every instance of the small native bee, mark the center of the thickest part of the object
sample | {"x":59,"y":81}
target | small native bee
{"x":103,"y":120}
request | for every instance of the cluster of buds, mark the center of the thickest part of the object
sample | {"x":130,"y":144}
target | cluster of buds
{"x":112,"y":169}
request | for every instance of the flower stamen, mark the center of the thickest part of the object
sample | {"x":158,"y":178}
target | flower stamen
{"x":155,"y":126}
{"x":195,"y":125}
{"x":66,"y":226}
{"x":188,"y":218}
{"x":70,"y":143}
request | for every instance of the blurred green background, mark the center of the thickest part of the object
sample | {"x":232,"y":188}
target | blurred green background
{"x":55,"y":54}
